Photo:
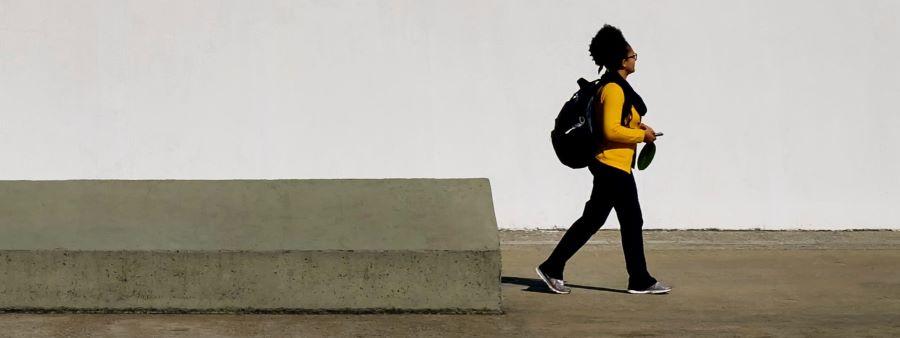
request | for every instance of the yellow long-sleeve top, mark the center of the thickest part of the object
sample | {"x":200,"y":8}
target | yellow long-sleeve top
{"x":620,"y":141}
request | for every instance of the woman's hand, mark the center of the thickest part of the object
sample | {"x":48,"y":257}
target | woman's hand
{"x":649,"y":133}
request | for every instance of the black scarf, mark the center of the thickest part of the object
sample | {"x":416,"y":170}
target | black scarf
{"x":631,"y":97}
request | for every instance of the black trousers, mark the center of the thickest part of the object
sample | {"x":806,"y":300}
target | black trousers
{"x":613,"y":188}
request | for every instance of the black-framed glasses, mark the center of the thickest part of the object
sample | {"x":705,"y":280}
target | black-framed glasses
{"x":633,"y":56}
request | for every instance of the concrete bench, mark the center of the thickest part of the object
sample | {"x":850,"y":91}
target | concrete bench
{"x":357,"y":245}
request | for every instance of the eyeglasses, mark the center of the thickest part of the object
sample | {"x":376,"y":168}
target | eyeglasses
{"x":633,"y":56}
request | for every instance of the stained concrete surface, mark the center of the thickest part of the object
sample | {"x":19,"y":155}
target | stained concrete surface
{"x":257,"y":282}
{"x":725,"y":283}
{"x":249,"y":245}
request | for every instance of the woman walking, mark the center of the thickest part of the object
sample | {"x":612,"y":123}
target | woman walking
{"x":613,"y":186}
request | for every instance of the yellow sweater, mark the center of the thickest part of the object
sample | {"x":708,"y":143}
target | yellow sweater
{"x":621,"y":142}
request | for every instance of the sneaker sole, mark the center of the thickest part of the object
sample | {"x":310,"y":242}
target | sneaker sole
{"x":547,"y":281}
{"x":649,"y":292}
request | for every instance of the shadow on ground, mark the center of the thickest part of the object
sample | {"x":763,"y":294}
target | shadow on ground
{"x":537,"y":285}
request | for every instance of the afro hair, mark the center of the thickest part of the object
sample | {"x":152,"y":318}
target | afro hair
{"x":608,"y":48}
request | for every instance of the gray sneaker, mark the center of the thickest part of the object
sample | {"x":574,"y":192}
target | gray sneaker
{"x":659,"y":287}
{"x":557,"y":285}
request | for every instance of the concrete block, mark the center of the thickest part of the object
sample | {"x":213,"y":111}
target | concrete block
{"x":359,"y":245}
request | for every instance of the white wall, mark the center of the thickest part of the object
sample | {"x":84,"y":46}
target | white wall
{"x":777,"y":114}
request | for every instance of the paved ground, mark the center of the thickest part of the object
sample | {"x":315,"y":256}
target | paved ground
{"x":725,"y":283}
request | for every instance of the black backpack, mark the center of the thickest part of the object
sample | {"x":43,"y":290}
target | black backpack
{"x":576,"y":137}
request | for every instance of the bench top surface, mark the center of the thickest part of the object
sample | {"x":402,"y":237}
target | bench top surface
{"x":323,"y":214}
